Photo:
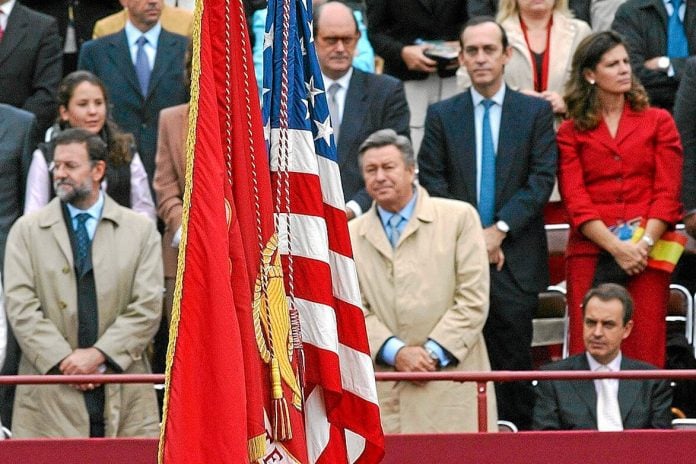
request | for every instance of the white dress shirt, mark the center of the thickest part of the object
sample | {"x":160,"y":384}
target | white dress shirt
{"x":6,"y":9}
{"x":614,"y":366}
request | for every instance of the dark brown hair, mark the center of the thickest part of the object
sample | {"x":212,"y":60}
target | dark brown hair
{"x":581,"y":97}
{"x":120,"y":144}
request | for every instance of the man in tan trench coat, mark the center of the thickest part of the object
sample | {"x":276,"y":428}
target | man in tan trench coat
{"x":83,"y":286}
{"x":423,"y":272}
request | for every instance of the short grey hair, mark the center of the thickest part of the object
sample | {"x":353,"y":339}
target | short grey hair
{"x":385,"y":137}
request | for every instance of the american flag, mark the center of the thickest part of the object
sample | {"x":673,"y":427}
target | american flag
{"x":340,"y":409}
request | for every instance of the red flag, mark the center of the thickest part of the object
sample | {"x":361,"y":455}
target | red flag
{"x":217,"y":386}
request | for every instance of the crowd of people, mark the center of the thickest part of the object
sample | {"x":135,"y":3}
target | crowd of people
{"x":482,"y":123}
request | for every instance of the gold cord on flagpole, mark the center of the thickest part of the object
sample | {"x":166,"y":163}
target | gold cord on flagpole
{"x":181,"y":259}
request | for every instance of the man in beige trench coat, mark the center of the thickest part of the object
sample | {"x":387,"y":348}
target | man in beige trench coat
{"x":423,"y":272}
{"x":83,"y":287}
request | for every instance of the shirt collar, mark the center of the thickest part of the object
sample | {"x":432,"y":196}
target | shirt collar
{"x":614,"y":365}
{"x":406,"y":212}
{"x":95,"y":211}
{"x":498,"y":98}
{"x":7,"y":8}
{"x":343,"y":81}
{"x":133,"y":34}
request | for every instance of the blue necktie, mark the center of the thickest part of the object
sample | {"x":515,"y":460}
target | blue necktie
{"x":394,"y":233}
{"x":486,"y":204}
{"x":142,"y":65}
{"x":677,"y":45}
{"x":82,"y":239}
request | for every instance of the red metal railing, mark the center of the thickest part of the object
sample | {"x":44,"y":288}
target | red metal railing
{"x":480,"y":377}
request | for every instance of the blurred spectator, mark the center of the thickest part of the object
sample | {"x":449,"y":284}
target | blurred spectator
{"x":17,"y":139}
{"x":185,"y":4}
{"x":418,"y":41}
{"x":659,"y":40}
{"x":423,"y":274}
{"x":495,"y":148}
{"x":620,"y":179}
{"x":685,"y":117}
{"x":609,"y":404}
{"x":75,"y":22}
{"x":360,"y":103}
{"x":580,"y":8}
{"x":142,"y":68}
{"x":30,"y":61}
{"x":363,"y":57}
{"x":602,"y":13}
{"x":173,"y":19}
{"x":56,"y":259}
{"x":83,"y":103}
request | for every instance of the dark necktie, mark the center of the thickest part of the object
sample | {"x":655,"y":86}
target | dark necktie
{"x":677,"y":45}
{"x":82,"y":240}
{"x":333,"y":110}
{"x":142,"y":65}
{"x":486,"y":204}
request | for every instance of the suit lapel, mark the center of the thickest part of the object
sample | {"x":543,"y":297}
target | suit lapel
{"x":585,"y":388}
{"x":375,"y":235}
{"x":561,"y":40}
{"x":628,"y":392}
{"x":464,"y":136}
{"x":354,"y":112}
{"x":53,"y":220}
{"x":507,"y":140}
{"x":630,"y":122}
{"x":17,"y":29}
{"x":119,"y":54}
{"x":427,"y":4}
{"x":163,"y":61}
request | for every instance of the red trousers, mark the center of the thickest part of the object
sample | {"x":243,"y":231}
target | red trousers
{"x":650,"y":293}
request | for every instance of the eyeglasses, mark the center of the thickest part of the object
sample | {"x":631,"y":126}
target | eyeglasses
{"x":347,"y":41}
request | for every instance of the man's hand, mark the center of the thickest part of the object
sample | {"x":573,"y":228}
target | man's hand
{"x":652,"y":64}
{"x":415,"y":59}
{"x":414,"y":359}
{"x":557,"y":103}
{"x":350,"y":214}
{"x":494,"y":239}
{"x":83,"y":361}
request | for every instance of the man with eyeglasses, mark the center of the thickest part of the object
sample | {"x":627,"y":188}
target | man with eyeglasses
{"x":360,"y":103}
{"x":83,"y":295}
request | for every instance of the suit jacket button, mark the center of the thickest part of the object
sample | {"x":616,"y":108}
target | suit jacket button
{"x":66,"y":270}
{"x":62,"y":304}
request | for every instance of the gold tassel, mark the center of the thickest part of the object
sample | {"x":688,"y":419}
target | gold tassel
{"x":282,"y":430}
{"x":256,"y":447}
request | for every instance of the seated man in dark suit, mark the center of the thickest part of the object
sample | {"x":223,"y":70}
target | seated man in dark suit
{"x":603,"y":404}
{"x":360,"y":103}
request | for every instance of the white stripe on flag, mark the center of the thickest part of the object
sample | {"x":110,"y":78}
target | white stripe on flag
{"x":355,"y":444}
{"x":301,"y":154}
{"x":309,"y":232}
{"x":318,"y":324}
{"x":330,"y":178}
{"x":316,"y":424}
{"x":357,"y":375}
{"x":344,"y":278}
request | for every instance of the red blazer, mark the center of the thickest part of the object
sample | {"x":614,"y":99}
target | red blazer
{"x":636,"y":174}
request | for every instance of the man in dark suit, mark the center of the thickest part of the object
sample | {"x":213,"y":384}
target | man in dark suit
{"x":363,"y":103}
{"x":75,"y":22}
{"x":142,"y":79}
{"x":30,"y":61}
{"x":603,"y":404}
{"x":401,"y":32}
{"x":17,"y":141}
{"x":644,"y":25}
{"x":495,"y":148}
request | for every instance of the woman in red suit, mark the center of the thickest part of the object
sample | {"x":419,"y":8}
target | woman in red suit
{"x":619,"y":164}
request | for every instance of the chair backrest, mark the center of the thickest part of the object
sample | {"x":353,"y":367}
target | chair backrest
{"x":680,"y":310}
{"x":507,"y":426}
{"x":551,"y":319}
